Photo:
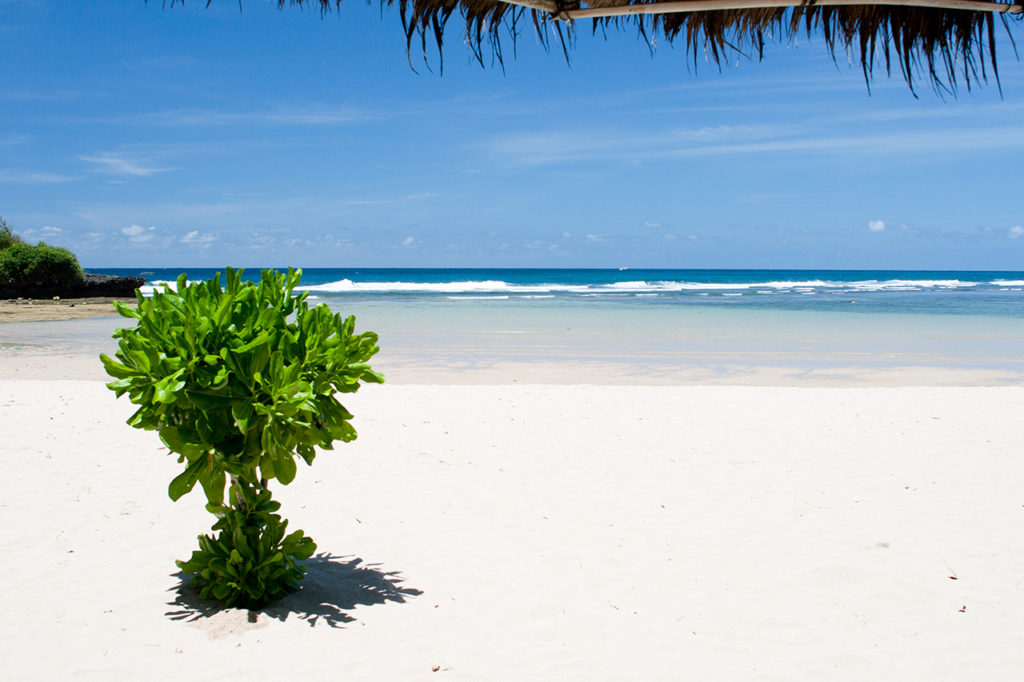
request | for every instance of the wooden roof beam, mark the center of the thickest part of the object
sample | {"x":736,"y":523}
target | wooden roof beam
{"x":674,"y":6}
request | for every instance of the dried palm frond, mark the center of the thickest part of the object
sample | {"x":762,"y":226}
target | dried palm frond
{"x":949,"y":42}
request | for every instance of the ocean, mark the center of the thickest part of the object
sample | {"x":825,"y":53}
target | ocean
{"x":975,"y":293}
{"x":774,"y":327}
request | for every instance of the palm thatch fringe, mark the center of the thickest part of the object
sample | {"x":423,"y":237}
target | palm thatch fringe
{"x":948,"y":41}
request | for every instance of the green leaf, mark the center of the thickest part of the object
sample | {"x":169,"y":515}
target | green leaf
{"x":181,"y":441}
{"x":213,"y":479}
{"x":118,"y":370}
{"x":242,"y":413}
{"x":125,"y":310}
{"x":185,"y":481}
{"x":284,"y":468}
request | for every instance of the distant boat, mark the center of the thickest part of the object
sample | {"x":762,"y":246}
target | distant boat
{"x":623,"y":268}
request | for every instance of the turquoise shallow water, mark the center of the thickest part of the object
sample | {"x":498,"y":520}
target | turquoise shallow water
{"x":694,"y":325}
{"x":666,"y":336}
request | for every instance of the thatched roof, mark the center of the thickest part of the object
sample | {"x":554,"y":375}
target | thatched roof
{"x":948,"y":42}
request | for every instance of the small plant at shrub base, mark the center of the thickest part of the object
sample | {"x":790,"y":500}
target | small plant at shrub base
{"x":237,"y":391}
{"x":251,"y":560}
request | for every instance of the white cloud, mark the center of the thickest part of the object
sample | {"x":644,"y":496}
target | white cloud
{"x":193,"y":238}
{"x":650,"y":223}
{"x":809,"y":136}
{"x":1016,"y":231}
{"x":138,"y":234}
{"x":408,"y":241}
{"x":35,"y":178}
{"x":114,"y":164}
{"x":728,"y":133}
{"x":594,"y":238}
{"x":49,"y":230}
{"x":876,"y":225}
{"x":290,"y":114}
{"x":261,"y":241}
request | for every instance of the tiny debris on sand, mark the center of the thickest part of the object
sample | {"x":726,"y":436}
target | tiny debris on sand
{"x":40,"y":310}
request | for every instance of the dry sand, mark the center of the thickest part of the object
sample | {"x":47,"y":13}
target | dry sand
{"x":521,"y":532}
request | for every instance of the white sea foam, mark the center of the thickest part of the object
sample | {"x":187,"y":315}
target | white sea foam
{"x":1008,"y":282}
{"x":463,"y":287}
{"x":348,"y":286}
{"x":477,"y":298}
{"x":909,"y":284}
{"x":157,"y":286}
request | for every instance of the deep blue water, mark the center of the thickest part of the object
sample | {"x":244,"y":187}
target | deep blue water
{"x":990,"y":293}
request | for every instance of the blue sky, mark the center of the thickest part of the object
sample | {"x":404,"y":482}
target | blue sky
{"x":146,"y":136}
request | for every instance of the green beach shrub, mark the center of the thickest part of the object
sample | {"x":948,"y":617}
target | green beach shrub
{"x":238,"y":381}
{"x":41,"y":265}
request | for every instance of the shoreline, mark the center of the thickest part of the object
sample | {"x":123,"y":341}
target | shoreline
{"x":420,"y":347}
{"x":56,"y":309}
{"x":56,"y":364}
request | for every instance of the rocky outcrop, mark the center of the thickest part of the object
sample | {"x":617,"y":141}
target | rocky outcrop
{"x":91,"y":286}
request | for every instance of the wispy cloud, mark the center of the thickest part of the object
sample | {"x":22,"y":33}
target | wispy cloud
{"x":285,"y":115}
{"x":44,"y":232}
{"x":34,"y":177}
{"x":876,"y":225}
{"x":26,"y":96}
{"x":195,"y":238}
{"x":11,"y":139}
{"x":933,"y":142}
{"x":557,"y":147}
{"x":116,"y":164}
{"x":138,"y":234}
{"x":550,"y":147}
{"x":237,"y":212}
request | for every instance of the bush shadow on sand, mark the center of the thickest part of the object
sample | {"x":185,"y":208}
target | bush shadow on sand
{"x":333,"y":587}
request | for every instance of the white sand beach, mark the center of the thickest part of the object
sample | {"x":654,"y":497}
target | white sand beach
{"x":540,"y":531}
